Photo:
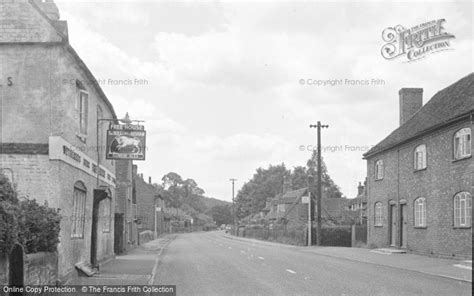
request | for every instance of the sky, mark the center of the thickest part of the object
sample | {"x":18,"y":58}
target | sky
{"x":226,"y":87}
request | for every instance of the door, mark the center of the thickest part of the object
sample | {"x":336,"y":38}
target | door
{"x":393,"y":226}
{"x":118,"y":233}
{"x":99,"y":195}
{"x":15,"y":273}
{"x":404,"y":225}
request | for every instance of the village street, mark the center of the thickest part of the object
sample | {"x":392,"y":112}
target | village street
{"x":214,"y":263}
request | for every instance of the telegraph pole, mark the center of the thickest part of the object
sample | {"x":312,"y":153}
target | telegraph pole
{"x":233,"y":205}
{"x":320,"y":191}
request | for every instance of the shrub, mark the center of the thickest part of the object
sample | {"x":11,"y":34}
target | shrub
{"x":34,"y":226}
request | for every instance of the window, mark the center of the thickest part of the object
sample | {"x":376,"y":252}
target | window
{"x":379,"y":170}
{"x":420,"y":157}
{"x":420,"y":212}
{"x":106,"y":215}
{"x":378,"y":214}
{"x":462,"y":210}
{"x":83,"y":109}
{"x":78,"y":214}
{"x":281,"y":208}
{"x":462,"y":143}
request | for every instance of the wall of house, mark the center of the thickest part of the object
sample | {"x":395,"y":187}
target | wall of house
{"x":38,"y":103}
{"x":145,"y":194}
{"x":442,"y":179}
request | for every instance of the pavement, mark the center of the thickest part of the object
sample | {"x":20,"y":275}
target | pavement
{"x":454,"y":269}
{"x":214,"y":263}
{"x":137,"y":267}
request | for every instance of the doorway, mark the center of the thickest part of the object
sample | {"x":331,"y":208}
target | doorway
{"x":99,"y":195}
{"x":393,"y":226}
{"x":403,"y":226}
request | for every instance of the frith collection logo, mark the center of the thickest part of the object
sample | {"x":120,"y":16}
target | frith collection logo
{"x":416,"y":42}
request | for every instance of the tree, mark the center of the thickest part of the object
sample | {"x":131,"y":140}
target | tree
{"x":222,"y":214}
{"x":330,"y":189}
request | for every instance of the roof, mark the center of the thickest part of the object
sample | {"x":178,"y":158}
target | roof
{"x":451,"y":103}
{"x":291,"y":196}
{"x":61,"y":29}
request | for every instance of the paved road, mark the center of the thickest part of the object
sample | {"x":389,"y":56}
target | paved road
{"x":212,"y":264}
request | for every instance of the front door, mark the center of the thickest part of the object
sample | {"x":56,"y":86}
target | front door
{"x":393,"y":226}
{"x":403,"y":224}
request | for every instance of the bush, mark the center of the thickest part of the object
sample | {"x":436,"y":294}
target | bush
{"x":34,"y":226}
{"x":9,"y":210}
{"x":39,"y":227}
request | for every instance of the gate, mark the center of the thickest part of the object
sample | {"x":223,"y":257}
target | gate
{"x":15,"y":270}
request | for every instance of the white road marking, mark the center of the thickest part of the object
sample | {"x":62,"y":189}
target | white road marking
{"x":261,"y":258}
{"x":463,"y":266}
{"x":291,"y":271}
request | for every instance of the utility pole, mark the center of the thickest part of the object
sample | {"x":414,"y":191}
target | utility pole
{"x":233,"y":205}
{"x":310,"y":209}
{"x":320,"y":191}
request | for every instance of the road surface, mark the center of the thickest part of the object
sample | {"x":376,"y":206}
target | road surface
{"x":211,"y":263}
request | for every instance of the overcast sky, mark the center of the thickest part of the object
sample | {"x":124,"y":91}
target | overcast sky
{"x":223,"y":93}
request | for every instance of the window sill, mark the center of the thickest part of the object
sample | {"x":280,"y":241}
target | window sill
{"x":420,"y":170}
{"x":378,"y":179}
{"x":77,"y":237}
{"x":420,"y":227}
{"x":462,"y":227}
{"x":462,"y":158}
{"x":379,"y":226}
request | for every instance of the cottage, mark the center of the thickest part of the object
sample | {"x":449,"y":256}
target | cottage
{"x":51,"y":136}
{"x":420,"y":177}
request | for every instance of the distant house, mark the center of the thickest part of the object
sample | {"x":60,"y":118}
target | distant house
{"x":150,"y":207}
{"x":420,"y":177}
{"x":288,"y":208}
{"x":358,"y":205}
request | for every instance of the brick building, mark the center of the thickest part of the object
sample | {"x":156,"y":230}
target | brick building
{"x":50,"y":103}
{"x":150,"y":206}
{"x":420,"y":178}
{"x":126,"y":230}
{"x":358,"y":205}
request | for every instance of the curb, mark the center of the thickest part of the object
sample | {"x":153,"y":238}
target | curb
{"x":354,"y":260}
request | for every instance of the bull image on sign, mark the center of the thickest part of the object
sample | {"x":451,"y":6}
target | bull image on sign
{"x":126,"y":142}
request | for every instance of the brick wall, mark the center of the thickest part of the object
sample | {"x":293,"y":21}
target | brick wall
{"x":442,"y":179}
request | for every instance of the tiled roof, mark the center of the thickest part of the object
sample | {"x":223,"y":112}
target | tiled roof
{"x":452,"y":102}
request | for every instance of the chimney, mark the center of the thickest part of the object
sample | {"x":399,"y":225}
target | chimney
{"x":411,"y":100}
{"x":149,"y":180}
{"x":49,"y":8}
{"x":360,"y":189}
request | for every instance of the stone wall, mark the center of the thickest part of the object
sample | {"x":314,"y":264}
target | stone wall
{"x":41,"y":268}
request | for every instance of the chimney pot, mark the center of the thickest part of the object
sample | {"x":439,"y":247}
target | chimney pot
{"x":411,"y":100}
{"x":149,"y":180}
{"x":360,"y":189}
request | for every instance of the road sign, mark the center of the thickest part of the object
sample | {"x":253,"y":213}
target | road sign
{"x":305,"y":199}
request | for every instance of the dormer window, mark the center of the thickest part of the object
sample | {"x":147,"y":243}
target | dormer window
{"x":420,"y":157}
{"x":379,"y":169}
{"x":462,"y":143}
